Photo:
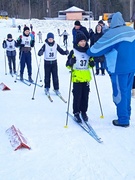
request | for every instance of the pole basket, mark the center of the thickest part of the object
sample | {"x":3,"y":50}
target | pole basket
{"x":102,"y":117}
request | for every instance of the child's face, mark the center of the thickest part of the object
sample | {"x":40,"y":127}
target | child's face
{"x":27,"y":32}
{"x":99,"y":29}
{"x":82,"y":43}
{"x":50,"y":40}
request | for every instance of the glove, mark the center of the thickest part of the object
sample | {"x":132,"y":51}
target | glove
{"x":19,"y":40}
{"x":32,"y":43}
{"x":71,"y":62}
{"x":40,"y":52}
{"x":91,"y":62}
{"x":67,"y":52}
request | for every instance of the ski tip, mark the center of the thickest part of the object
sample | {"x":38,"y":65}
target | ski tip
{"x":66,"y":126}
{"x":102,"y":117}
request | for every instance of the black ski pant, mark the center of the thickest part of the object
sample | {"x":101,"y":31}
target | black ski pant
{"x":25,"y":59}
{"x":80,"y":97}
{"x":51,"y":68}
{"x":65,"y":41}
{"x":12,"y":63}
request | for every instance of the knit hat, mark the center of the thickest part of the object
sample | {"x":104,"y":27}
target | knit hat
{"x":50,"y":35}
{"x":26,"y":28}
{"x":80,"y":36}
{"x":77,"y":23}
{"x":101,"y":22}
{"x":9,"y":36}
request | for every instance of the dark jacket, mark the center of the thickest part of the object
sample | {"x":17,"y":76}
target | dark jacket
{"x":59,"y":49}
{"x":83,"y":29}
{"x":19,"y":41}
{"x":95,"y":37}
{"x":9,"y":53}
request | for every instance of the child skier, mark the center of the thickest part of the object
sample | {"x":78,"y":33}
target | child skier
{"x":25,"y":42}
{"x":10,"y":45}
{"x":79,"y":62}
{"x":65,"y":37}
{"x":31,"y":27}
{"x":19,"y":28}
{"x":40,"y":36}
{"x":50,"y":49}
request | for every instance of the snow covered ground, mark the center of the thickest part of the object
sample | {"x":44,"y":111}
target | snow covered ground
{"x":59,"y":153}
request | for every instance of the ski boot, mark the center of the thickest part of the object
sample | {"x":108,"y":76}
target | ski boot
{"x":77,"y":118}
{"x":84,"y":116}
{"x":57,"y":92}
{"x":30,"y":79}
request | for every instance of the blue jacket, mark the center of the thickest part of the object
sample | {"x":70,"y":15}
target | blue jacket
{"x":118,"y":46}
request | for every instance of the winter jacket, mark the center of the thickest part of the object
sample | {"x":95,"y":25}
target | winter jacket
{"x":25,"y":42}
{"x":83,"y":29}
{"x":95,"y":37}
{"x":118,"y":45}
{"x":10,"y":46}
{"x":58,"y":48}
{"x":64,"y":34}
{"x":80,"y":70}
{"x":40,"y":35}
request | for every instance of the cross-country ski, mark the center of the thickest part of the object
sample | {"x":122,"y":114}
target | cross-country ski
{"x":23,"y":81}
{"x":34,"y":83}
{"x":87,"y":128}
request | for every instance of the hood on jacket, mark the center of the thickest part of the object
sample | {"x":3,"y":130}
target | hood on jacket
{"x":96,"y":29}
{"x":117,"y":20}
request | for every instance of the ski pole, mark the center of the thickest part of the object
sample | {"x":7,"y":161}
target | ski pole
{"x":36,"y":80}
{"x":66,"y":45}
{"x":59,"y":35}
{"x":102,"y":116}
{"x":58,"y":31}
{"x":37,"y":63}
{"x":66,"y":126}
{"x":5,"y":62}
